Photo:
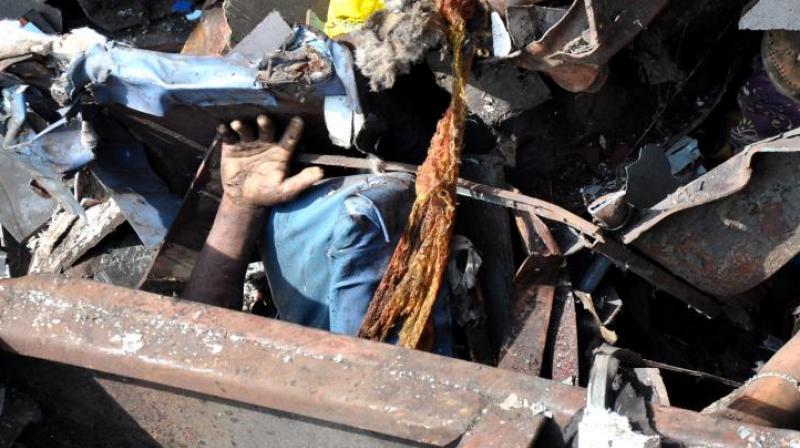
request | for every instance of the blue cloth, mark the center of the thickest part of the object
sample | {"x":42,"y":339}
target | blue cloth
{"x":325,"y":252}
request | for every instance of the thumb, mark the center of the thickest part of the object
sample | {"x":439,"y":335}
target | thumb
{"x":298,"y":183}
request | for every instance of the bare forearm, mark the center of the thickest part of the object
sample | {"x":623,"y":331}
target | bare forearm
{"x":218,"y":275}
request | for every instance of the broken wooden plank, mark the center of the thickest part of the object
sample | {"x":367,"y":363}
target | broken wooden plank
{"x":83,"y":235}
{"x":43,"y":244}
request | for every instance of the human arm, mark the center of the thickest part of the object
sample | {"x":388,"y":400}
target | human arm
{"x":254,"y":172}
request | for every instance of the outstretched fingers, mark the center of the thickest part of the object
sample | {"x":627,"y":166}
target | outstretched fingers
{"x":283,"y":151}
{"x":266,"y":129}
{"x":292,"y":134}
{"x":226,"y":134}
{"x":245,"y":131}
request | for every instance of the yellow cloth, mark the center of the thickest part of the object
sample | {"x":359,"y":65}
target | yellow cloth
{"x":345,"y":16}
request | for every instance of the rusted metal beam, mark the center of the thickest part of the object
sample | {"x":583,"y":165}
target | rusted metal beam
{"x":548,"y":344}
{"x":532,"y":301}
{"x":524,"y":352}
{"x":534,"y":291}
{"x":771,"y":397}
{"x":503,"y":429}
{"x":565,"y":366}
{"x":372,"y":386}
{"x":534,"y":233}
{"x":88,"y":409}
{"x":338,"y":379}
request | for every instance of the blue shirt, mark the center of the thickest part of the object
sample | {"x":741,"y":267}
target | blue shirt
{"x":325,"y":252}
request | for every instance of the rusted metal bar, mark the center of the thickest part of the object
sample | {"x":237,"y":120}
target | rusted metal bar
{"x":252,"y":360}
{"x":503,"y":429}
{"x":372,"y":386}
{"x":535,"y":235}
{"x":532,"y":301}
{"x":485,"y":193}
{"x":525,"y":350}
{"x":565,"y":366}
{"x":88,"y":409}
{"x":770,"y":398}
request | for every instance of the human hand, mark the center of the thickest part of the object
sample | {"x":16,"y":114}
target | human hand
{"x":254,"y":168}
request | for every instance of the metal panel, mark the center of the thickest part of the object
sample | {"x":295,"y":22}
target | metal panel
{"x":733,"y":227}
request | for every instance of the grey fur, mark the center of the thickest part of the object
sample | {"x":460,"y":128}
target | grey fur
{"x":391,"y":41}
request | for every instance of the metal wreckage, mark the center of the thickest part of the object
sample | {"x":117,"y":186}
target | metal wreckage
{"x":586,"y":210}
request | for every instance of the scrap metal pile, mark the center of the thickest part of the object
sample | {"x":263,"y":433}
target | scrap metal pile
{"x":607,"y":197}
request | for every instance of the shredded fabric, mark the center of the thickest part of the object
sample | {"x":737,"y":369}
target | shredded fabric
{"x":411,"y":283}
{"x":391,"y":41}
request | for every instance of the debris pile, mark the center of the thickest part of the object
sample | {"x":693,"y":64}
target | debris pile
{"x":600,"y":194}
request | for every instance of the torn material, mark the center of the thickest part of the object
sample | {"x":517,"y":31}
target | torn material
{"x":391,"y":41}
{"x":305,"y":69}
{"x":410,"y":285}
{"x":153,"y":82}
{"x":61,"y":148}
